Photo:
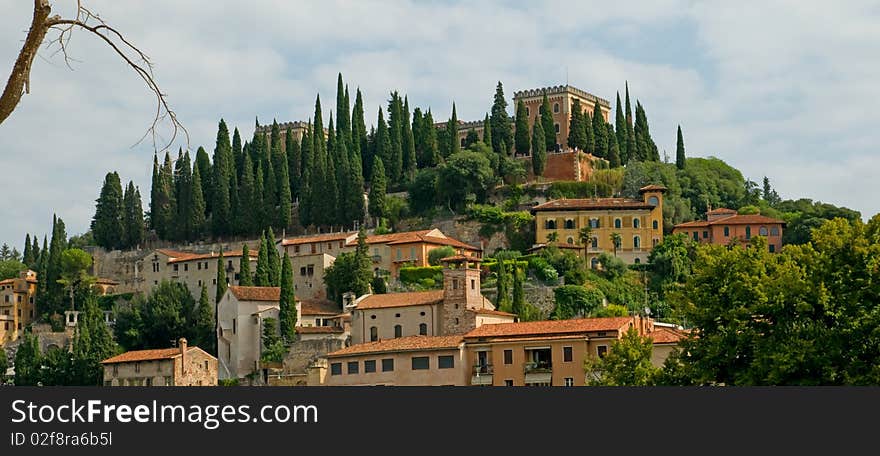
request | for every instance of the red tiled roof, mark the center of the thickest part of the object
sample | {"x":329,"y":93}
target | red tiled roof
{"x":328,"y":237}
{"x":721,"y":210}
{"x":172,"y":253}
{"x":653,"y":188}
{"x":212,"y":255}
{"x":146,"y":355}
{"x":492,"y":312}
{"x":664,"y":335}
{"x":410,"y":237}
{"x":547,"y":327}
{"x":751,"y":219}
{"x":319,"y":330}
{"x":415,"y":298}
{"x":318,"y":307}
{"x":12,"y":280}
{"x":256,"y":293}
{"x":592,"y":204}
{"x":411,"y":343}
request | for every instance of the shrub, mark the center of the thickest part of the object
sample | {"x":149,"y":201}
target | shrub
{"x":428,"y":283}
{"x":612,"y":267}
{"x":434,"y":256}
{"x":575,"y":300}
{"x":611,"y":310}
{"x":378,"y":285}
{"x":575,"y":276}
{"x":416,"y":274}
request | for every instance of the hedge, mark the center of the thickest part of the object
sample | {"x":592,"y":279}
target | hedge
{"x":417,"y":274}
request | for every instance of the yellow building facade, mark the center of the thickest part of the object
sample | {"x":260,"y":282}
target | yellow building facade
{"x":17,"y":305}
{"x":627,"y":228}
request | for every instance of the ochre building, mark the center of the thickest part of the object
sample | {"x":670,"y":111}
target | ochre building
{"x":725,"y":226}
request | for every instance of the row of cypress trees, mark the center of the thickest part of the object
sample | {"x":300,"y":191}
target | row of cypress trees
{"x":119,"y":217}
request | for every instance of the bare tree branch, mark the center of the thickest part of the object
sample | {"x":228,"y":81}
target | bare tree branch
{"x":19,"y":81}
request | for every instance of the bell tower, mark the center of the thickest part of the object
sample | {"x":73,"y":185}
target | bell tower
{"x":461,"y":291}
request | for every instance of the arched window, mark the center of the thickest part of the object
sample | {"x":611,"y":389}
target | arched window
{"x":637,"y":261}
{"x":617,"y":223}
{"x":726,"y":231}
{"x":557,"y":128}
{"x":527,"y":110}
{"x":748,"y":232}
{"x":398,"y":331}
{"x":423,"y":329}
{"x":763,"y":231}
{"x":595,"y":242}
{"x":569,"y":224}
{"x":594,"y":263}
{"x":462,"y":142}
{"x":570,"y":240}
{"x":556,"y":109}
{"x":774,"y":231}
{"x":551,"y":224}
{"x":637,"y":242}
{"x":594,"y":223}
{"x":636,"y":223}
{"x":653,"y":201}
{"x":655,"y":224}
{"x":374,"y":333}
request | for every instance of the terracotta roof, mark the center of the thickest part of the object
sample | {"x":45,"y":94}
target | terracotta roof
{"x":318,"y":307}
{"x":105,"y":281}
{"x":663,"y":335}
{"x":547,"y":327}
{"x":318,"y":238}
{"x":561,"y":245}
{"x":212,"y":255}
{"x":319,"y":330}
{"x":752,"y":219}
{"x":145,"y":355}
{"x":443,"y":241}
{"x":491,"y":312}
{"x":172,"y":253}
{"x":411,"y":343}
{"x":256,"y":293}
{"x":415,"y":298}
{"x":12,"y":280}
{"x":721,"y":210}
{"x":592,"y":204}
{"x":410,"y":237}
{"x":454,"y":258}
{"x":653,"y":188}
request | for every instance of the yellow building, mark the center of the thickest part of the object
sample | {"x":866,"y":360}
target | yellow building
{"x":17,"y":305}
{"x":639,"y":224}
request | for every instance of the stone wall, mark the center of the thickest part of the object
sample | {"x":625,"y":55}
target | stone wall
{"x":540,"y":296}
{"x":563,"y":166}
{"x":303,"y":353}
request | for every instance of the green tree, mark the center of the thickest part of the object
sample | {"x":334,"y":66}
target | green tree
{"x":28,"y":255}
{"x":768,"y":194}
{"x":613,"y":157}
{"x":518,"y":303}
{"x":363,"y":265}
{"x":92,"y":343}
{"x":377,"y":204}
{"x":220,"y":205}
{"x":287,"y":302}
{"x":394,"y":163}
{"x":471,"y":138}
{"x":274,"y":349}
{"x":627,"y":363}
{"x":502,"y":300}
{"x":487,"y":132}
{"x":522,"y":141}
{"x":158,"y":320}
{"x":631,"y":153}
{"x":585,"y":237}
{"x":547,"y":124}
{"x":196,"y":223}
{"x":576,"y":127}
{"x":679,"y":151}
{"x":107,"y":224}
{"x":203,"y":324}
{"x":431,"y":153}
{"x":10,"y":269}
{"x":671,"y":263}
{"x":600,"y":132}
{"x":263,"y":273}
{"x":73,"y":274}
{"x":28,"y":361}
{"x":539,"y":149}
{"x":245,"y":214}
{"x":222,"y":280}
{"x":294,"y":163}
{"x":466,"y":173}
{"x":133,"y":216}
{"x":620,"y":129}
{"x":502,"y":137}
{"x":342,"y":276}
{"x":246,"y":279}
{"x":4,"y":366}
{"x":408,"y":144}
{"x":435,"y":255}
{"x":452,"y":134}
{"x":575,"y":301}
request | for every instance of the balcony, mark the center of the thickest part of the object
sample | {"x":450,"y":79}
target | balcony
{"x":376,"y":258}
{"x":538,"y":372}
{"x":482,"y":374}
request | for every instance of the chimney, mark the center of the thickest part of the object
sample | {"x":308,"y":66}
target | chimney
{"x":182,"y":344}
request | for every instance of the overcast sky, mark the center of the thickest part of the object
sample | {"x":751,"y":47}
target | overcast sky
{"x":785,"y":89}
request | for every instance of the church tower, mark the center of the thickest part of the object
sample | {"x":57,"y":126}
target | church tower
{"x":461,"y":291}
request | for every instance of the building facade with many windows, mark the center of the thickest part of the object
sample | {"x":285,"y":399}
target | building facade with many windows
{"x":725,"y":226}
{"x":17,"y":305}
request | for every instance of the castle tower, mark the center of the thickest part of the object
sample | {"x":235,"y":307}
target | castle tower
{"x":653,"y":195}
{"x":461,"y":291}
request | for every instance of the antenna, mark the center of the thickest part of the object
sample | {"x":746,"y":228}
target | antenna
{"x":566,"y":75}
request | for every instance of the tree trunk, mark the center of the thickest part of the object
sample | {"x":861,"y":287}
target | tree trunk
{"x":19,"y":81}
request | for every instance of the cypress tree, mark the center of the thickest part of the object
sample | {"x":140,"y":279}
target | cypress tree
{"x":547,"y":123}
{"x":502,"y":301}
{"x":620,"y":127}
{"x":53,"y":267}
{"x":377,"y":204}
{"x":28,"y":255}
{"x":287,"y":304}
{"x":452,"y":133}
{"x":134,"y":216}
{"x":318,"y":180}
{"x":343,"y":122}
{"x":432,"y":151}
{"x":270,"y":190}
{"x":305,"y":216}
{"x":330,"y":198}
{"x":221,"y":278}
{"x":220,"y":206}
{"x":419,"y":136}
{"x":408,"y":145}
{"x":262,"y":277}
{"x":679,"y":150}
{"x":38,"y":254}
{"x":539,"y":151}
{"x":345,"y":181}
{"x":383,"y":142}
{"x":244,"y":216}
{"x":487,"y":131}
{"x":197,"y":213}
{"x":203,"y":163}
{"x":613,"y":149}
{"x":237,"y":154}
{"x":519,"y":298}
{"x":502,"y":137}
{"x":589,"y":137}
{"x":599,"y":132}
{"x":395,"y":131}
{"x":203,"y":324}
{"x":156,"y":200}
{"x":282,"y":180}
{"x":471,"y":138}
{"x":107,"y":224}
{"x":359,"y":131}
{"x":272,"y":256}
{"x":576,"y":131}
{"x":522,"y":141}
{"x":294,"y":163}
{"x":245,"y":278}
{"x":259,"y":216}
{"x":631,"y":153}
{"x":184,"y":188}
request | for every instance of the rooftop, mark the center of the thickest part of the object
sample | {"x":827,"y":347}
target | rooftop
{"x":317,"y":307}
{"x":592,"y":204}
{"x":550,"y":327}
{"x":734,"y":219}
{"x":411,"y":343}
{"x":181,"y":256}
{"x":147,"y":355}
{"x":414,"y":298}
{"x":561,"y":89}
{"x":326,"y":237}
{"x":319,"y":330}
{"x":256,"y":293}
{"x":663,"y":335}
{"x":433,"y":236}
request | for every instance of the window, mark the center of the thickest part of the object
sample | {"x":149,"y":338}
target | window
{"x":314,"y":248}
{"x":637,"y":242}
{"x":137,"y":367}
{"x":302,"y":271}
{"x":569,"y":381}
{"x":369,"y":366}
{"x":186,"y":267}
{"x":772,"y":248}
{"x":473,"y":284}
{"x":653,"y":201}
{"x":445,"y":362}
{"x":569,"y":240}
{"x":455,"y":284}
{"x":310,"y":270}
{"x":462,"y":141}
{"x":329,"y":246}
{"x":176,"y":266}
{"x":200,"y":283}
{"x":412,"y":253}
{"x":352,"y":367}
{"x":594,"y":263}
{"x":566,"y":354}
{"x":696,"y":235}
{"x":233,"y":326}
{"x":557,"y":128}
{"x":602,"y":350}
{"x":296,"y":249}
{"x":726,"y":231}
{"x":388,"y":365}
{"x":748,"y":232}
{"x":340,"y":244}
{"x":569,"y":224}
{"x":527,"y":110}
{"x":423,"y":329}
{"x":336,"y":369}
{"x":115,"y":369}
{"x":594,"y":223}
{"x":199,"y":264}
{"x":206,"y":365}
{"x":508,"y":382}
{"x":399,"y":254}
{"x":149,"y":381}
{"x":705,"y":234}
{"x":556,"y":108}
{"x":774,"y":231}
{"x":420,"y":363}
{"x":550,"y":224}
{"x":374,"y":333}
{"x":637,"y":261}
{"x":655,"y":225}
{"x":398,"y":331}
{"x":396,"y":315}
{"x":636,"y":223}
{"x":763,"y":231}
{"x":456,"y":321}
{"x":617,"y":223}
{"x":594,"y":242}
{"x":508,"y":356}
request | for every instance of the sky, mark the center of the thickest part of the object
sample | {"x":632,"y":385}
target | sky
{"x":783,"y":89}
